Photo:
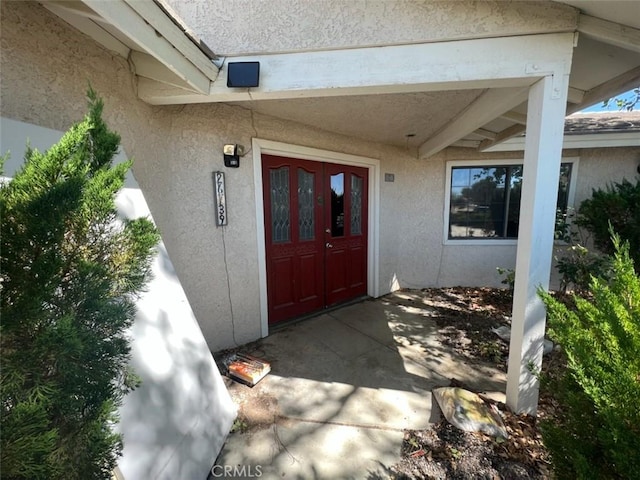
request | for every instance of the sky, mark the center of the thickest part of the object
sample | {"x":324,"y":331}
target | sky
{"x":612,"y":107}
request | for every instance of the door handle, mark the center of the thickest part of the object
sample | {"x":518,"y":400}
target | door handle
{"x":328,"y":230}
{"x":328,"y":245}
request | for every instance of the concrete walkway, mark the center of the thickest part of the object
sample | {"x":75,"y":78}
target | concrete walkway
{"x":343,"y":388}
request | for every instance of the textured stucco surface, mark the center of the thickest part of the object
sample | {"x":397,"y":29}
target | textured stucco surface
{"x":231,"y":27}
{"x":45,"y":67}
{"x":600,"y":167}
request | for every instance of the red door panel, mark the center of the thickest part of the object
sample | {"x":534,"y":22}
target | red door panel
{"x":293,"y":236}
{"x":346,"y":220}
{"x":315,"y":235}
{"x":282,"y":268}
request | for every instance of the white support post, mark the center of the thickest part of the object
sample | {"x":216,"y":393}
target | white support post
{"x":543,"y":151}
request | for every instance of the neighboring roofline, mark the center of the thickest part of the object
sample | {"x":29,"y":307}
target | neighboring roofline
{"x":588,"y":130}
{"x":590,"y":140}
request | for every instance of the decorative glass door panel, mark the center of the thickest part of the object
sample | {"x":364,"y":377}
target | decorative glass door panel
{"x":280,"y":209}
{"x":306,"y":200}
{"x":293,"y":236}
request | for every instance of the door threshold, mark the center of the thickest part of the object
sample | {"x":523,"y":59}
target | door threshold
{"x":287,"y":323}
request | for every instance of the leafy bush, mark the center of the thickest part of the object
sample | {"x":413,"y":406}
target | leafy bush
{"x":70,"y":272}
{"x":578,"y":265}
{"x":509,"y":277}
{"x":597,"y":432}
{"x":618,"y":205}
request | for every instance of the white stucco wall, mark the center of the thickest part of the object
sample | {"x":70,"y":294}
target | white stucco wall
{"x":600,"y":167}
{"x":45,"y":67}
{"x":232,"y":27}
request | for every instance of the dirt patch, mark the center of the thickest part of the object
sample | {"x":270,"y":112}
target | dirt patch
{"x":465,"y":319}
{"x":446,"y":452}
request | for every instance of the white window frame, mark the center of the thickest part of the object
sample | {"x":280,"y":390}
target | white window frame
{"x":574,"y":161}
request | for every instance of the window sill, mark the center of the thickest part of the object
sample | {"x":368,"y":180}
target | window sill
{"x":481,"y":242}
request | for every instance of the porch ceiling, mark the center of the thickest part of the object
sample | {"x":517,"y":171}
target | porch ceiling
{"x":404,"y":120}
{"x":174,"y":67}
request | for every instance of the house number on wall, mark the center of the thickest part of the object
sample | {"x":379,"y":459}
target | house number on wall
{"x":221,"y":201}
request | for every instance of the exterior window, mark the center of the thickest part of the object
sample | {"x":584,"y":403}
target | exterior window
{"x":484,"y":201}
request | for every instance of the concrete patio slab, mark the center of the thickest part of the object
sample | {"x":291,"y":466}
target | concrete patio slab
{"x":309,"y":450}
{"x":343,"y":388}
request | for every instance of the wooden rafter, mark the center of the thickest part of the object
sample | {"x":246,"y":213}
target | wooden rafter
{"x":130,"y":23}
{"x":612,"y":33}
{"x":87,"y":24}
{"x":489,"y":105}
{"x":602,"y":92}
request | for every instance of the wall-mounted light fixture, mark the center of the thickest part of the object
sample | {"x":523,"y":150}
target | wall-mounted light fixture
{"x":232,"y":153}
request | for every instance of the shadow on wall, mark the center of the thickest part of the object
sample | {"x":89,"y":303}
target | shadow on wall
{"x":175,"y":424}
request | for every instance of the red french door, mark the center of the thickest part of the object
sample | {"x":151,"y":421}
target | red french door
{"x":315,"y":235}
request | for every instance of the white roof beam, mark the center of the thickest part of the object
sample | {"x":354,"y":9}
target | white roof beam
{"x":87,"y":25}
{"x":604,"y":91}
{"x":75,"y":7}
{"x":156,"y":92}
{"x":575,"y":95}
{"x":608,"y":89}
{"x":489,"y":105}
{"x":592,"y":140}
{"x":148,"y":67}
{"x":481,"y":132}
{"x":125,"y":19}
{"x":506,"y":134}
{"x":159,"y":20}
{"x":465,"y":64}
{"x":612,"y":33}
{"x":513,"y":116}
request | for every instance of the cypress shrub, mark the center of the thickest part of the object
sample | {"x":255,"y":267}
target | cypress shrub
{"x":597,"y":432}
{"x":70,"y":273}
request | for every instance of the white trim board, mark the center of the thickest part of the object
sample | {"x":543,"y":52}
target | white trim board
{"x":260,"y":147}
